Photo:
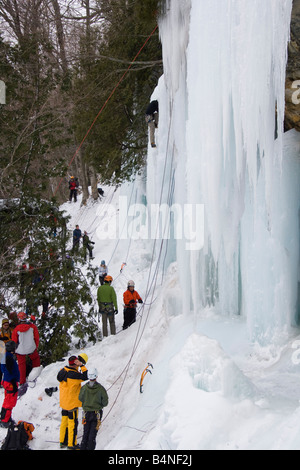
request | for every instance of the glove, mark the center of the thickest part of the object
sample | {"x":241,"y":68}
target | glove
{"x":14,"y":385}
{"x":132,"y":301}
{"x":140,"y":301}
{"x":116,"y":312}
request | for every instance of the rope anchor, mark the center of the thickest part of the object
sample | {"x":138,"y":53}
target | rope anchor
{"x":144,"y":373}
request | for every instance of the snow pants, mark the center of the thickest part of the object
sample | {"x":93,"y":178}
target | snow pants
{"x":21,"y":358}
{"x":108,"y":317}
{"x":152,"y":121}
{"x":75,"y":248}
{"x":90,"y":250}
{"x":129,"y":317}
{"x":10,"y":401}
{"x":73,"y":194}
{"x":69,"y":427}
{"x":91,"y":424}
{"x":101,"y":279}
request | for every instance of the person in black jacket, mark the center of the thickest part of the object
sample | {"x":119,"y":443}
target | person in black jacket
{"x":76,"y":239}
{"x":152,"y":120}
{"x":86,"y":242}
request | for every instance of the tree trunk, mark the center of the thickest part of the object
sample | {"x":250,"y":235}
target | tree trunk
{"x":60,"y":36}
{"x":94,"y":184}
{"x":83,"y":179}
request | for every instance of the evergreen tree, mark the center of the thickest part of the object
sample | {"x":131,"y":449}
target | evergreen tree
{"x":54,"y":91}
{"x":34,"y":232}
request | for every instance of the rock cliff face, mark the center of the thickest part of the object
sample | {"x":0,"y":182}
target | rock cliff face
{"x":292,"y":89}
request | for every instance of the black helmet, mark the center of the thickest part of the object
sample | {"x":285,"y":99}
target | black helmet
{"x":10,"y":346}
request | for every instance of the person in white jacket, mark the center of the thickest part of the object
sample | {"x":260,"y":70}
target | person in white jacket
{"x":26,"y":337}
{"x":103,"y":272}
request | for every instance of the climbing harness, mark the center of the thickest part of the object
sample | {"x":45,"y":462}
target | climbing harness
{"x":144,"y":373}
{"x":98,"y":416}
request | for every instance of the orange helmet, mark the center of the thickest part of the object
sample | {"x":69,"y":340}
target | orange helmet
{"x":108,"y":279}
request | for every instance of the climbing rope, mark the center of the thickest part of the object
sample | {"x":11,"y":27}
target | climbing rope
{"x":151,"y":283}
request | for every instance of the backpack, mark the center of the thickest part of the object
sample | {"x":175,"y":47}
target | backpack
{"x":17,"y":436}
{"x":72,"y":184}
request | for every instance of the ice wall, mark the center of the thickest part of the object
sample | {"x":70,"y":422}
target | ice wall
{"x":221,"y":104}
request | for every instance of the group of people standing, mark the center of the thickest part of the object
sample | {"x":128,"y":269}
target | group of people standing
{"x":108,"y":306}
{"x":106,"y":295}
{"x":92,"y":397}
{"x":87,"y":244}
{"x":19,"y":343}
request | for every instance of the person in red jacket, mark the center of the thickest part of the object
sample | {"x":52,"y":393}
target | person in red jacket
{"x":26,"y":336}
{"x":73,"y":185}
{"x":130,"y":297}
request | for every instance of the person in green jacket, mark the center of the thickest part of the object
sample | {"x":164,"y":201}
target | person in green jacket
{"x":94,"y":398}
{"x":108,"y":307}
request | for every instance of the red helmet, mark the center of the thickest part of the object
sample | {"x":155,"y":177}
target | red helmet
{"x":22,"y":316}
{"x":108,"y":279}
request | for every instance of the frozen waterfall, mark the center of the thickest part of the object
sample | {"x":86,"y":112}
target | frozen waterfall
{"x":221,"y":144}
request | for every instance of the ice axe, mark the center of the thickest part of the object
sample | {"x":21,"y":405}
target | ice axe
{"x":144,"y":373}
{"x":123,"y":266}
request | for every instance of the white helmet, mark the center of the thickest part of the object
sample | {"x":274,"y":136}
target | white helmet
{"x":92,"y":373}
{"x":131,"y":284}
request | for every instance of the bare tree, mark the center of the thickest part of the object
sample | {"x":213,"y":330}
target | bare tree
{"x":60,"y":35}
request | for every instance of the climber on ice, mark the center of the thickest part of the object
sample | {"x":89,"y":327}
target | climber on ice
{"x":152,"y":120}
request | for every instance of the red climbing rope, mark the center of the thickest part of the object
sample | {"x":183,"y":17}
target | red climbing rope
{"x":104,"y":105}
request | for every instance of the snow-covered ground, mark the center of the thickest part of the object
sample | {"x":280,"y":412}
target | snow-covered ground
{"x":210,"y":388}
{"x":224,"y":377}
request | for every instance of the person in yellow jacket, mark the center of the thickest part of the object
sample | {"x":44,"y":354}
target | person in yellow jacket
{"x":70,"y":379}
